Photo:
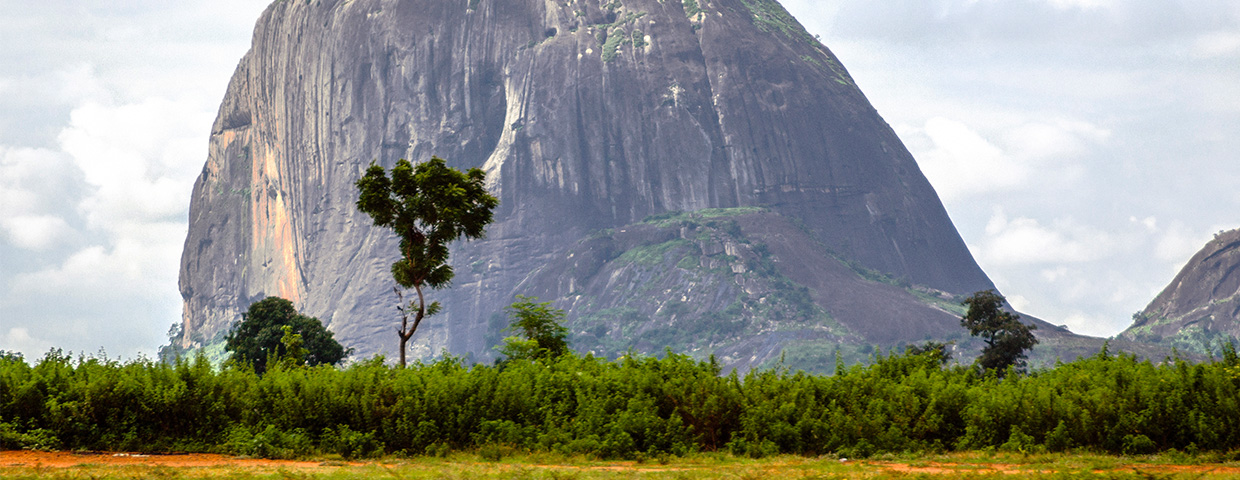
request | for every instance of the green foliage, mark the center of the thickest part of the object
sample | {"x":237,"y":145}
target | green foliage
{"x":428,"y":206}
{"x":1007,"y":340}
{"x":676,"y":217}
{"x":770,"y":16}
{"x":351,"y":444}
{"x":33,"y":439}
{"x":631,"y":408}
{"x":294,"y":352}
{"x":653,"y":254}
{"x":612,"y":44}
{"x":268,"y":442}
{"x":270,"y":327}
{"x":937,"y":350}
{"x":612,"y":35}
{"x":639,"y":39}
{"x":540,"y":333}
{"x":691,"y":8}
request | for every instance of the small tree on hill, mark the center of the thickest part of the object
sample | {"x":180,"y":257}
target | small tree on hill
{"x":271,"y":327}
{"x":428,"y":206}
{"x":540,"y":335}
{"x":1007,"y":340}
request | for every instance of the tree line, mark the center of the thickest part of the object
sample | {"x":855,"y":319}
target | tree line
{"x":632,"y":407}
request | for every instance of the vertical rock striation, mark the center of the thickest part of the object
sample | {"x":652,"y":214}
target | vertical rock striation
{"x":586,"y":114}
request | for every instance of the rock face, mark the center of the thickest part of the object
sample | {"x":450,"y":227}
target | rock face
{"x":743,"y":284}
{"x":1201,"y":306}
{"x":586,"y":114}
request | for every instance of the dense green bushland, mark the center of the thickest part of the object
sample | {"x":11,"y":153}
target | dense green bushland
{"x":627,"y":408}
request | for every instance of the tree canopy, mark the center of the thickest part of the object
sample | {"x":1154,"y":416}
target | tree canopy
{"x":428,"y":206}
{"x":1007,"y":340}
{"x":540,"y":334}
{"x":271,"y":326}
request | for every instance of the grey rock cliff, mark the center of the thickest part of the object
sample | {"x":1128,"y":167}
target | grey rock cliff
{"x":586,"y":114}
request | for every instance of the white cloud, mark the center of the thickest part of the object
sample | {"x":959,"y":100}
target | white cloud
{"x":1177,"y":244}
{"x":1022,"y":241}
{"x":1150,"y":223}
{"x":36,"y":181}
{"x":77,"y":83}
{"x":1058,"y":139}
{"x":1018,"y":302}
{"x":1081,"y":4}
{"x":1113,"y":117}
{"x":1052,"y":275}
{"x":959,"y":162}
{"x":136,"y":155}
{"x":1217,"y":44}
{"x":18,"y":339}
{"x":105,"y":114}
{"x":39,"y":232}
{"x":134,"y":165}
{"x":99,"y":296}
{"x":1092,"y":325}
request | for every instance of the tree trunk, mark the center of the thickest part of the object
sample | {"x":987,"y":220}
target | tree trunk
{"x":406,"y":331}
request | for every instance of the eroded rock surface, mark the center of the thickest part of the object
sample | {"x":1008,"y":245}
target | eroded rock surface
{"x":586,"y":114}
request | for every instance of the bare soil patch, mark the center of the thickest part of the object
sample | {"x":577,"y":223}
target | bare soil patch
{"x":25,"y":458}
{"x":209,"y":465}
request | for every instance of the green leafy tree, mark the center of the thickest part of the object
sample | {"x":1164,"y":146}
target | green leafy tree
{"x":272,"y":328}
{"x":294,"y":351}
{"x":937,"y":350}
{"x":540,"y":334}
{"x":1007,"y":340}
{"x":428,"y":206}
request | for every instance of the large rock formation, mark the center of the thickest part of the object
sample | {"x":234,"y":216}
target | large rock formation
{"x":586,"y":114}
{"x":1201,"y":306}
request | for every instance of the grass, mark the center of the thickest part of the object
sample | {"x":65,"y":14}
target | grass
{"x":652,"y":254}
{"x":695,"y":466}
{"x":676,"y":217}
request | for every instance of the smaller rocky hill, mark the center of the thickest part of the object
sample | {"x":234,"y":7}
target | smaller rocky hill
{"x":1201,"y":306}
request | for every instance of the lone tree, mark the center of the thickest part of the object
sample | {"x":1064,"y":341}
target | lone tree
{"x":267,"y":330}
{"x":428,"y":206}
{"x":540,"y":335}
{"x":1006,"y":338}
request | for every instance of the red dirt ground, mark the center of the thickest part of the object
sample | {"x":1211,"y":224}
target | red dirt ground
{"x":58,"y":460}
{"x":25,"y":458}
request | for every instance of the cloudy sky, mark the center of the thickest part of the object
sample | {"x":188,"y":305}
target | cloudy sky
{"x":1084,"y":148}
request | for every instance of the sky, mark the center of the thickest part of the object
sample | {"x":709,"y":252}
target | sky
{"x":1085,"y":149}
